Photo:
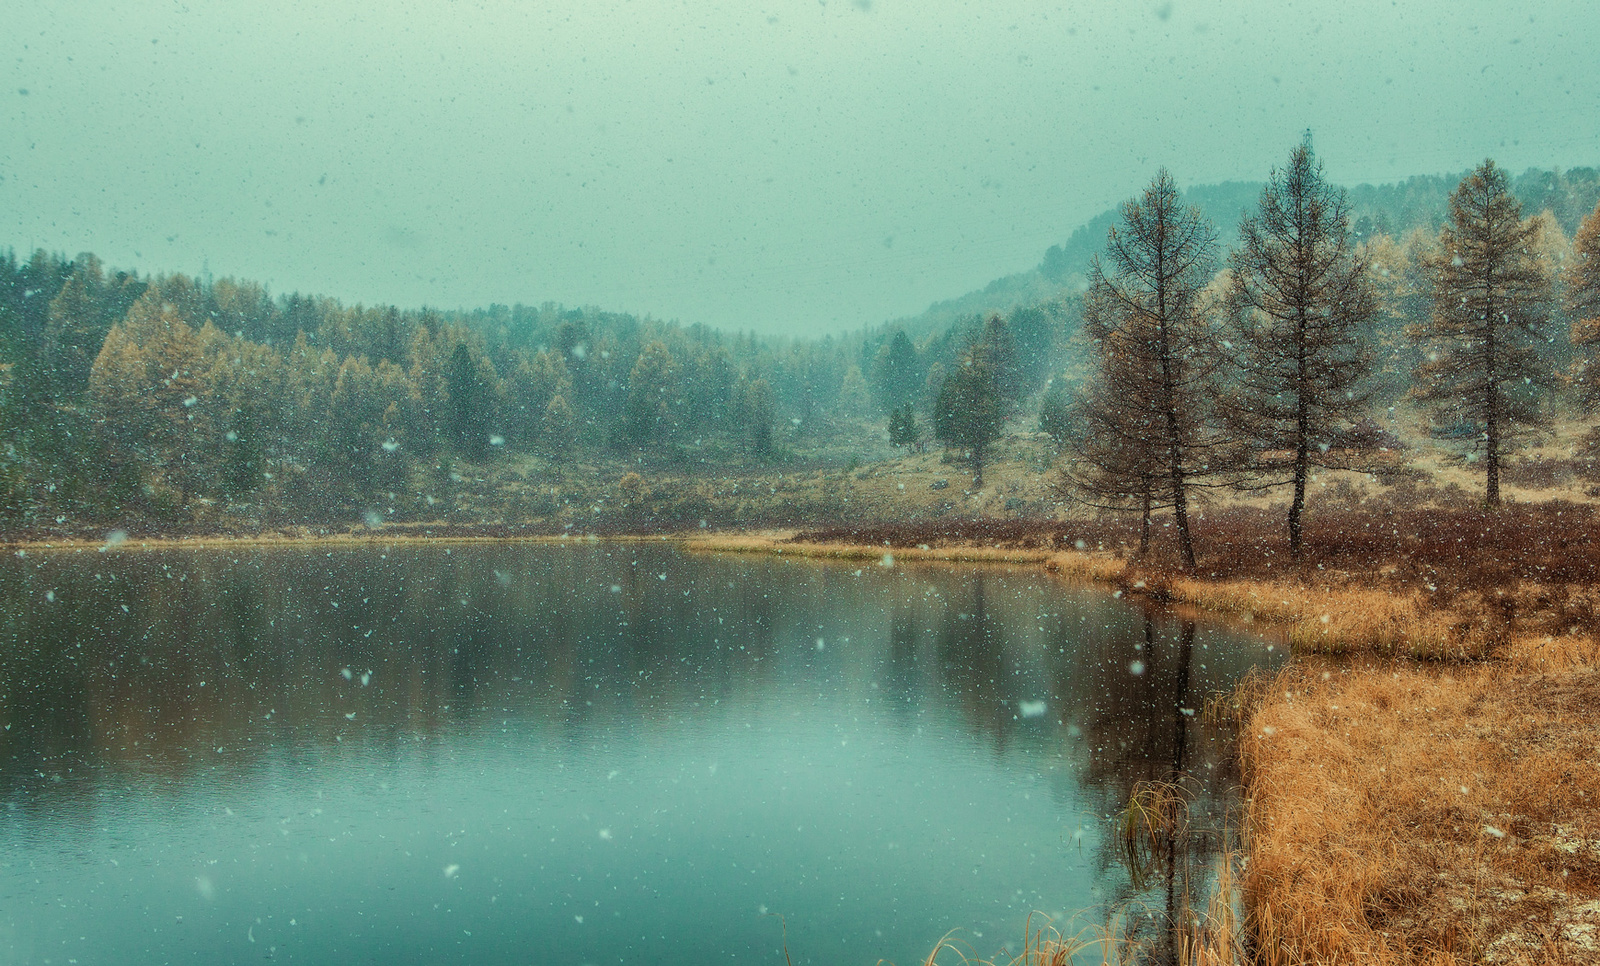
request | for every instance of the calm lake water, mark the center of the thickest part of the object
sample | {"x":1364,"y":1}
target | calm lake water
{"x":602,"y":753}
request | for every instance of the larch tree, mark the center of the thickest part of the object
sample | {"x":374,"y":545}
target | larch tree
{"x":1298,"y":302}
{"x":146,"y":385}
{"x":1152,"y":440}
{"x":1484,"y":368}
{"x":1117,"y":461}
{"x":1582,"y":279}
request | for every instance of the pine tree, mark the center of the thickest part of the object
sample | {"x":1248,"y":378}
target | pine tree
{"x":74,"y":330}
{"x":1055,"y":416}
{"x":533,"y":383}
{"x":1491,"y":301}
{"x":903,"y":429}
{"x":756,"y":414}
{"x":469,"y":414}
{"x":971,"y":406}
{"x":897,"y":373}
{"x":556,"y":432}
{"x":1298,"y":304}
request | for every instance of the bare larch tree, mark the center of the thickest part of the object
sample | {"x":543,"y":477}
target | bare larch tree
{"x":1484,"y":369}
{"x":1157,"y":359}
{"x":1298,"y":301}
{"x":1118,"y":462}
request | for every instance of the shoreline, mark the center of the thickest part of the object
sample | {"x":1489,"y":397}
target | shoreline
{"x":1339,"y":765}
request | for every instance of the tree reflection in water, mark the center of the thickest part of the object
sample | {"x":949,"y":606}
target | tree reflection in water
{"x":1169,"y":775}
{"x":157,"y":673}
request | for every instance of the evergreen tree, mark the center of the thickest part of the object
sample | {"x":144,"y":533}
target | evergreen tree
{"x":903,"y":429}
{"x":971,"y":406}
{"x":469,"y":416}
{"x":1035,"y":329}
{"x":648,"y":413}
{"x":533,"y":383}
{"x":757,"y":414}
{"x":1055,"y":416}
{"x":1000,"y":349}
{"x":896,"y":373}
{"x":74,"y":330}
{"x":557,"y":431}
{"x":1299,"y":302}
{"x":1491,"y":300}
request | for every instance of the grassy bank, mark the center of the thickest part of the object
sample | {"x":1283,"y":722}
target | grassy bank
{"x":1404,"y":814}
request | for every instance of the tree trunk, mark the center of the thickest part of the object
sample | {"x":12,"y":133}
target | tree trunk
{"x":1302,"y":439}
{"x":1491,"y":449}
{"x":1144,"y":521}
{"x":1180,"y":513}
{"x":1491,"y":411}
{"x":1298,"y":504}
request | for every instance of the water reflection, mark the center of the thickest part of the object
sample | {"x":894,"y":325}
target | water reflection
{"x":666,"y":744}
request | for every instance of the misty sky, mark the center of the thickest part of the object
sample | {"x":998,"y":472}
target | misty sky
{"x":767,"y":164}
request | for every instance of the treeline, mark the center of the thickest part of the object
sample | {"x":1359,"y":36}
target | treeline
{"x":122,"y":394}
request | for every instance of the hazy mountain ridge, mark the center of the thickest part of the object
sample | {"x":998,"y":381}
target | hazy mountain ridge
{"x":1418,"y":202}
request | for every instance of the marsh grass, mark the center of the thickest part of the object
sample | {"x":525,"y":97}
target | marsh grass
{"x":782,"y":546}
{"x":1405,"y":814}
{"x":1153,"y":823}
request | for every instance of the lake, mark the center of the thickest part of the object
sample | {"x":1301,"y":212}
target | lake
{"x":595,"y":753}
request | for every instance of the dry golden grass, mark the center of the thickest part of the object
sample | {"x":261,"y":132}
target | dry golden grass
{"x":781,"y":546}
{"x":1403,"y":814}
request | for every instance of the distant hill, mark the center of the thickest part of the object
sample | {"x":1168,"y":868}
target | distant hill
{"x":1417,"y":202}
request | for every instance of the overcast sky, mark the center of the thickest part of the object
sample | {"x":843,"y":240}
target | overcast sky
{"x":771,"y":164}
